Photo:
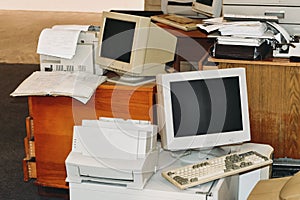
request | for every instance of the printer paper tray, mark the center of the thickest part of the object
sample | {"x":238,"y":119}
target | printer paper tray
{"x":105,"y":180}
{"x":105,"y":173}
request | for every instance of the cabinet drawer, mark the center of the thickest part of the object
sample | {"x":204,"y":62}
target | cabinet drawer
{"x":29,"y":148}
{"x":29,"y":169}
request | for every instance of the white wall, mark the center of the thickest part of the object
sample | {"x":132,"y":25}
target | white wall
{"x":71,"y":5}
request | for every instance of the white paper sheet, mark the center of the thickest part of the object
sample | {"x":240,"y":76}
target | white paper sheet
{"x":58,"y":42}
{"x":72,"y":27}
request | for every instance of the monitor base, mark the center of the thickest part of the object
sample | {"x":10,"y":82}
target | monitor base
{"x":131,"y":80}
{"x":195,"y":155}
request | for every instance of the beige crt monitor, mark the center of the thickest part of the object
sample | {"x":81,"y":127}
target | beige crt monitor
{"x":133,"y":46}
{"x":210,"y":8}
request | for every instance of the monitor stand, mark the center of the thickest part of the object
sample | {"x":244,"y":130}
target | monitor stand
{"x":192,"y":156}
{"x":131,"y":80}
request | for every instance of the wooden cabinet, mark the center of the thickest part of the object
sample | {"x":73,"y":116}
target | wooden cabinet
{"x":53,"y":119}
{"x":274,"y":103}
{"x":192,"y":46}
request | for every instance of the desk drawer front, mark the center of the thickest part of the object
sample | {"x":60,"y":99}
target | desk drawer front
{"x":124,"y":104}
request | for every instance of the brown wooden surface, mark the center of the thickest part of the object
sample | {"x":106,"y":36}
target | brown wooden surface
{"x":274,"y":103}
{"x":54,"y":118}
{"x":191,"y":45}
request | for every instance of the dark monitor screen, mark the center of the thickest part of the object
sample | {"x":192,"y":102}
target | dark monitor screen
{"x":205,"y":2}
{"x":206,"y":106}
{"x":117,"y":40}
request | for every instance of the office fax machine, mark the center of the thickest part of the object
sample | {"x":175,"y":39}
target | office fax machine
{"x":113,"y":151}
{"x":83,"y":60}
{"x":285,"y":46}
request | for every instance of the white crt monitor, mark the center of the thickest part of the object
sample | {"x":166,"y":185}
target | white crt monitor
{"x":210,"y":8}
{"x":133,"y":45}
{"x":203,"y":109}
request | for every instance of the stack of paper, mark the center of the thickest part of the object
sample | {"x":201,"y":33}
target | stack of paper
{"x":239,"y":39}
{"x":79,"y":85}
{"x":238,"y":28}
{"x":248,"y":29}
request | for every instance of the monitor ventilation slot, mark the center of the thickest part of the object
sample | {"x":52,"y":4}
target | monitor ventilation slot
{"x":70,"y":68}
{"x":82,"y":68}
{"x":59,"y":67}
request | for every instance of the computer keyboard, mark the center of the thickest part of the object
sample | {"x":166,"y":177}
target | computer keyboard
{"x":215,"y":168}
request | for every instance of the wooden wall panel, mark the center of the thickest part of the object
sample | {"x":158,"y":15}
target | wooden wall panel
{"x":274,"y":103}
{"x":292,"y":94}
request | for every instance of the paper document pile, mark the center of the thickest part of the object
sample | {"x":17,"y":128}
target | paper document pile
{"x":79,"y":85}
{"x":239,"y":39}
{"x":248,"y":29}
{"x":238,"y":28}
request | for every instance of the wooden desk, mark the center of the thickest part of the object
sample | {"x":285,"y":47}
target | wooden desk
{"x":53,"y":118}
{"x":191,"y":45}
{"x":274,"y":103}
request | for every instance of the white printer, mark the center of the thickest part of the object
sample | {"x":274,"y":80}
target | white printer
{"x":83,"y":60}
{"x":287,"y":11}
{"x":114,"y":152}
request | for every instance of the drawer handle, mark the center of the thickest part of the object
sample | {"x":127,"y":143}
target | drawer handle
{"x":279,"y":14}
